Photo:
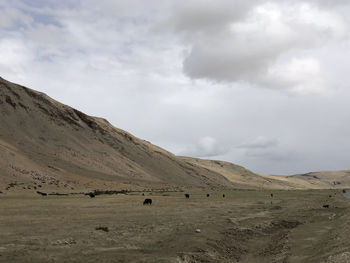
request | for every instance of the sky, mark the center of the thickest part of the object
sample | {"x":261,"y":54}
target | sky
{"x":263,"y":84}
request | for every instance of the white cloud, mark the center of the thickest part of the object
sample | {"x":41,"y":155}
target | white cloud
{"x":15,"y":58}
{"x":298,"y":75}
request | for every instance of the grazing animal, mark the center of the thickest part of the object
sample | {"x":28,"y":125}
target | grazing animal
{"x":208,"y":195}
{"x":271,"y":195}
{"x":187,"y":196}
{"x":92,"y":195}
{"x":41,"y":193}
{"x":147,"y":201}
{"x":102,"y":228}
{"x":325,"y":206}
{"x":223,"y":196}
{"x":344,"y":191}
{"x":143,"y":194}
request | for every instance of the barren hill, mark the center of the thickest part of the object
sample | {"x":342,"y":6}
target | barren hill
{"x":50,"y":146}
{"x":245,"y":179}
{"x":45,"y":144}
{"x":323,"y":179}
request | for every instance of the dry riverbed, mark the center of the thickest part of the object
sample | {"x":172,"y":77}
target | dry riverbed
{"x":242,"y":227}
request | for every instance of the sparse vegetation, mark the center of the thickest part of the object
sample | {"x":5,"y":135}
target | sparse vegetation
{"x":243,"y":227}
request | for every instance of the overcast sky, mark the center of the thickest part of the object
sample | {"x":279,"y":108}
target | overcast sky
{"x":263,"y":84}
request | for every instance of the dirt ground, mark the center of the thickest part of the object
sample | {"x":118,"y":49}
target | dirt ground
{"x":242,"y":227}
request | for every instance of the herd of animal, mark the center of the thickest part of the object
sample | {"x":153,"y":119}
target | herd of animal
{"x":148,"y":201}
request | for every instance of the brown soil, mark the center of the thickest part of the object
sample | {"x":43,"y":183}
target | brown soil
{"x":242,"y":227}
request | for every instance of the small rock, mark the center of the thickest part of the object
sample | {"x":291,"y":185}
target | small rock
{"x":198,"y":230}
{"x":64,"y":242}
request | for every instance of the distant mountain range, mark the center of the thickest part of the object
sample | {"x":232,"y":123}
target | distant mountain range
{"x":46,"y":145}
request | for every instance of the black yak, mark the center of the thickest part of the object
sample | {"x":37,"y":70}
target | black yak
{"x":187,"y":196}
{"x":147,"y":201}
{"x":41,"y":193}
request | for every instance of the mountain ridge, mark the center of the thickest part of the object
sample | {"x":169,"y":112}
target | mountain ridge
{"x":45,"y":144}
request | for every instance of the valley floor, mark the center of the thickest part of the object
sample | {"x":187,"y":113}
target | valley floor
{"x":242,"y":227}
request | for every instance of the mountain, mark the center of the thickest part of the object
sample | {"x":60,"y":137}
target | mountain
{"x":243,"y":178}
{"x":323,"y":179}
{"x":46,"y":145}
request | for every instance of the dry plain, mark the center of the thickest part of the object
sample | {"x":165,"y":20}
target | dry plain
{"x":242,"y":227}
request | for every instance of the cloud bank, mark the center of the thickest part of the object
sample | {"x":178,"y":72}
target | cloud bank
{"x":266,"y":80}
{"x":270,"y":44}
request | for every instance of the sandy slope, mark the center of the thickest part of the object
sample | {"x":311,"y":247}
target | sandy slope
{"x":48,"y":145}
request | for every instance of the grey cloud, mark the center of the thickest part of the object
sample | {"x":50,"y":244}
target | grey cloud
{"x":205,"y":147}
{"x":264,"y":36}
{"x":195,"y":16}
{"x":273,"y":155}
{"x":111,"y":59}
{"x":12,"y":18}
{"x":259,"y":142}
